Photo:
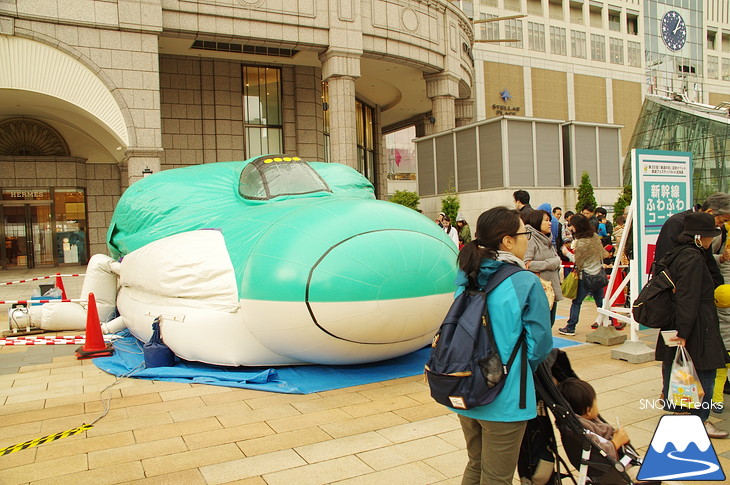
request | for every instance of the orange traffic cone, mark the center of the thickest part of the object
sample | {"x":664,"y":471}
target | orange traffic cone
{"x":94,"y":345}
{"x":59,"y":285}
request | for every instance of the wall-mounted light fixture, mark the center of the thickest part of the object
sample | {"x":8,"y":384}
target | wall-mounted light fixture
{"x":325,"y":106}
{"x":432,"y":119}
{"x":146,"y":172}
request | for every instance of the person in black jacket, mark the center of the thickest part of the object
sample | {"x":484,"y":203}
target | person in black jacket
{"x":522,"y":202}
{"x":589,"y":210}
{"x":696,"y":321}
{"x":717,"y":205}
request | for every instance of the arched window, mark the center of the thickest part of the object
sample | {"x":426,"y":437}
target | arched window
{"x":23,"y":137}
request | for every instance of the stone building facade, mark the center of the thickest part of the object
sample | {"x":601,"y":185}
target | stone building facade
{"x":595,"y":61}
{"x":591,"y":63}
{"x":94,"y":94}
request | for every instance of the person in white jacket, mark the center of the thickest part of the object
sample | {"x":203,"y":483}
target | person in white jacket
{"x":450,"y":230}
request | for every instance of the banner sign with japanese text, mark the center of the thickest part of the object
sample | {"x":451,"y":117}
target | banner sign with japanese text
{"x":662,"y":187}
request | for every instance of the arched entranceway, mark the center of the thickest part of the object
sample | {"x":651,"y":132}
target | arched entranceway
{"x":67,"y":129}
{"x":41,"y":224}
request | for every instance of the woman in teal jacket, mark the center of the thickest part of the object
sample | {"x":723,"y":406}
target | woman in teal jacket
{"x":494,"y":432}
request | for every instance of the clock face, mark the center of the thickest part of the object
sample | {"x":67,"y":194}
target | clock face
{"x":674,"y":30}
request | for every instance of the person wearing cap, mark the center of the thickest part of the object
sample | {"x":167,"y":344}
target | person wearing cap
{"x":464,"y":231}
{"x":717,"y":205}
{"x":696,"y":316}
{"x":440,"y":219}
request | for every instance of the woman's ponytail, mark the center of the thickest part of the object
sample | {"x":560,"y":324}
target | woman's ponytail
{"x":471,"y":255}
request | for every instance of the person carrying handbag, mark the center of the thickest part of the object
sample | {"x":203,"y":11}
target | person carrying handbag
{"x":588,"y":258}
{"x":541,"y":257}
{"x":696,"y":319}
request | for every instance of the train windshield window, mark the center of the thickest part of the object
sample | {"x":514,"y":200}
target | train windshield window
{"x":274,"y":176}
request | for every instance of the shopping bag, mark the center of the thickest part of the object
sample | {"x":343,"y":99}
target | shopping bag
{"x":569,"y":287}
{"x":549,"y":291}
{"x":685,"y":389}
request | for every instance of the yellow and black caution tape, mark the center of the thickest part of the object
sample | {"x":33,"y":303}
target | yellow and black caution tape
{"x":72,"y":431}
{"x":45,"y":439}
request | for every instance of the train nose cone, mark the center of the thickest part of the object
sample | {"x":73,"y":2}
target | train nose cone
{"x":382,"y":286}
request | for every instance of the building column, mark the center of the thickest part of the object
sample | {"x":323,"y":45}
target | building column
{"x":339,"y":70}
{"x":464,"y":111}
{"x":442,"y":90}
{"x":139,"y":161}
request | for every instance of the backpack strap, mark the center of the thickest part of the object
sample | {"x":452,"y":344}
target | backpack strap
{"x":671,"y":256}
{"x":521,"y":342}
{"x":498,"y":277}
{"x":667,"y":259}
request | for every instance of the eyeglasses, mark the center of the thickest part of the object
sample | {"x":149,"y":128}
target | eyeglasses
{"x":527,"y":234}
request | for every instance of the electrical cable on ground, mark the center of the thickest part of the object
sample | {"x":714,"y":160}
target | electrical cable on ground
{"x":119,"y":379}
{"x":84,"y":427}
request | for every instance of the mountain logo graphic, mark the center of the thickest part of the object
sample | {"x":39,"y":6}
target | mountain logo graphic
{"x":681,"y":449}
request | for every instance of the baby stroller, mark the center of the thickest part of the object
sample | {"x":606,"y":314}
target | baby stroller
{"x":593,"y":464}
{"x":539,"y":462}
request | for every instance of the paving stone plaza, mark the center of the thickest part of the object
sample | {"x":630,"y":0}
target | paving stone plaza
{"x":171,"y":433}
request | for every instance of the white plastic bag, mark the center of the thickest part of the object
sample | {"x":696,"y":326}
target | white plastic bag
{"x":685,"y":389}
{"x":54,"y":292}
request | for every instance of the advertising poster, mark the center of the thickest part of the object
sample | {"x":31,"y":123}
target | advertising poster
{"x":662,"y":187}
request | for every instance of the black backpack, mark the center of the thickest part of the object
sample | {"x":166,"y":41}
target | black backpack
{"x":464,"y":369}
{"x":654,"y":307}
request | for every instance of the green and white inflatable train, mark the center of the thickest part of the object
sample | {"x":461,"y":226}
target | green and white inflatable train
{"x":277,"y":261}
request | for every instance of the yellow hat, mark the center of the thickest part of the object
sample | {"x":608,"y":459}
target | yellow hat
{"x":722,"y":296}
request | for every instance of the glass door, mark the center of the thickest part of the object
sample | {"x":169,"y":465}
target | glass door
{"x":16,"y":237}
{"x":28,"y":238}
{"x":70,"y":218}
{"x":42,"y":237}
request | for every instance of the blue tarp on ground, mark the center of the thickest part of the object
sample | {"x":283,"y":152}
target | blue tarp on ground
{"x":302,"y":379}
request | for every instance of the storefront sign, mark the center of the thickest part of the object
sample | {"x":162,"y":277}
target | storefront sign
{"x":662,"y":187}
{"x":501,"y":109}
{"x":25,"y":194}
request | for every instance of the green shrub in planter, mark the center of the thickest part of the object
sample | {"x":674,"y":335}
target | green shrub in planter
{"x":406,"y":198}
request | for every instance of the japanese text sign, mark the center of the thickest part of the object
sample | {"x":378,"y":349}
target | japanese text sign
{"x":662,"y":187}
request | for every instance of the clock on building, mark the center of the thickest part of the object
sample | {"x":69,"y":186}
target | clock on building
{"x":674,"y":30}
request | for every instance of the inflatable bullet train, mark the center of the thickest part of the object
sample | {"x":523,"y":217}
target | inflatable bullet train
{"x":274,"y":261}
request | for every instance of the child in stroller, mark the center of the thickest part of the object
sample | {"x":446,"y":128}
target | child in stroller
{"x":595,"y":464}
{"x":582,"y":399}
